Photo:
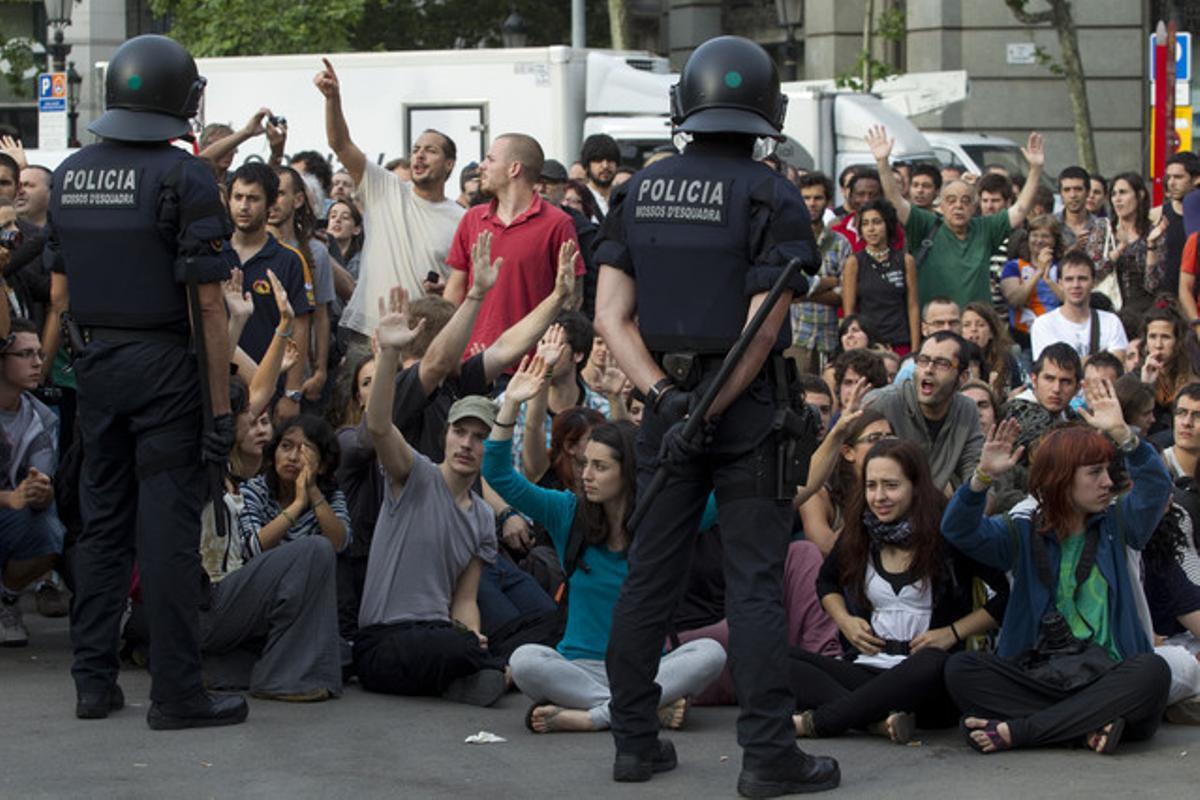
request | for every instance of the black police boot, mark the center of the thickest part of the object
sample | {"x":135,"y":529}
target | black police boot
{"x":97,"y":705}
{"x":204,"y":711}
{"x":799,"y":773}
{"x":640,"y":767}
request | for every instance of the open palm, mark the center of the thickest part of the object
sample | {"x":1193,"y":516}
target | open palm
{"x":999,"y":455}
{"x":527,"y":381}
{"x":393,"y":331}
{"x":484,"y":271}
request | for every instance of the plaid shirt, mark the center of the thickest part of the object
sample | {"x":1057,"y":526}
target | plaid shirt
{"x":814,"y":325}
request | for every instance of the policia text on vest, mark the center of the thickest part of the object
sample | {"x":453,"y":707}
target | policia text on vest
{"x":100,"y":188}
{"x":688,"y":200}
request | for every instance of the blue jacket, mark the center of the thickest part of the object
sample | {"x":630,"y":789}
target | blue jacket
{"x":994,"y":542}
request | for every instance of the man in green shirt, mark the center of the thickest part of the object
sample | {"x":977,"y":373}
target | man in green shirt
{"x":959,"y":258}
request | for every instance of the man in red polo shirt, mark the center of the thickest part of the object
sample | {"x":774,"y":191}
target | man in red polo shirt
{"x":527,"y":235}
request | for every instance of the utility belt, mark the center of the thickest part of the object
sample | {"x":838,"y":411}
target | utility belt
{"x":82,"y":335}
{"x":794,"y":424}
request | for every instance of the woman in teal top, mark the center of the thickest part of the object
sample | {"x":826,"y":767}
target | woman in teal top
{"x":569,"y":685}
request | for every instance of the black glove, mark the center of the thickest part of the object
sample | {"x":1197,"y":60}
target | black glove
{"x":674,"y":406}
{"x":216,"y":445}
{"x":677,"y":451}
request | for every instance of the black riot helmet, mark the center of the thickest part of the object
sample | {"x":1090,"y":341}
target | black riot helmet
{"x":729,"y":85}
{"x":151,"y":91}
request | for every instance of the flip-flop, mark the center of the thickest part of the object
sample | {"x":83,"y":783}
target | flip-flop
{"x":1112,"y":737}
{"x":990,"y":731}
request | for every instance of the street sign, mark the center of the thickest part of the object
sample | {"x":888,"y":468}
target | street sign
{"x":1183,"y":56}
{"x":52,"y":110}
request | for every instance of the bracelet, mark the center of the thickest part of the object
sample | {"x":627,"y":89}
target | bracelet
{"x":319,"y":503}
{"x":504,"y":516}
{"x":983,"y":477}
{"x":284,"y":513}
{"x":284,"y":334}
{"x":954,"y":630}
{"x":549,"y":373}
{"x":499,"y":424}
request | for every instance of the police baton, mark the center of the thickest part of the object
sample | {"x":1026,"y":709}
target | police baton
{"x":216,"y":475}
{"x":695,"y":421}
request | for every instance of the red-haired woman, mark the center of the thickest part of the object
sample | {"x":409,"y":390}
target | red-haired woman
{"x":1069,"y":564}
{"x":902,"y":600}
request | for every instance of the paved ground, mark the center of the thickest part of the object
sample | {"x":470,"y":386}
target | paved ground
{"x":370,"y":746}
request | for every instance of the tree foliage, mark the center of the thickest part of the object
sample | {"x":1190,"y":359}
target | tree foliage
{"x":260,"y":27}
{"x":18,"y":59}
{"x":890,"y":26}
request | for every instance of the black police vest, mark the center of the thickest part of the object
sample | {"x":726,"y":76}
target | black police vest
{"x":119,"y":262}
{"x":687,"y":228}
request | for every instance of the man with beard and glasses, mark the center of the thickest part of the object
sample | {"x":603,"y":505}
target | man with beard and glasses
{"x":928,"y":410}
{"x":253,"y":193}
{"x":600,"y":156}
{"x":408,"y":226}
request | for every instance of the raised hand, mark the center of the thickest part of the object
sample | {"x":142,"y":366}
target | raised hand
{"x":291,"y":357}
{"x":1158,"y":230}
{"x":254,"y":127}
{"x":393,"y":331}
{"x":282,"y":303}
{"x":999,"y":455}
{"x":239,"y":303}
{"x":484,"y":271}
{"x":527,"y":381}
{"x":564,"y":281}
{"x":1035,"y":151}
{"x":879,"y":143}
{"x":552,"y":345}
{"x":1103,"y":411}
{"x":13,"y":148}
{"x":276,"y":136}
{"x":327,"y":83}
{"x":1152,"y":369}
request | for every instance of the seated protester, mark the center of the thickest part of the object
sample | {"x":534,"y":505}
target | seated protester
{"x":296,"y":495}
{"x":982,"y":327}
{"x":927,"y":409}
{"x":821,"y":514}
{"x":565,"y":347}
{"x":819,"y":398}
{"x":1165,"y":364}
{"x":701,"y":612}
{"x":1183,"y":457}
{"x":902,"y":600}
{"x":569,"y":685}
{"x":1070,"y":579}
{"x":1029,"y":282}
{"x":853,"y":366}
{"x":1097,"y":367}
{"x":1055,"y":380}
{"x":852,"y":335}
{"x":419,"y":624}
{"x":31,"y":534}
{"x":269,"y":622}
{"x":891,"y":364}
{"x":986,"y":403}
{"x":939,"y":314}
{"x":976,"y":366}
{"x":1136,"y":399}
{"x":1072,"y":322}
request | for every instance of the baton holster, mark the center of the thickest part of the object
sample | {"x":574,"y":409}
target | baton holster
{"x":795,"y":427}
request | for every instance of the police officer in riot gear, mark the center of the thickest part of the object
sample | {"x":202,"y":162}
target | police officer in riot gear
{"x":688,"y":252}
{"x":133,"y":220}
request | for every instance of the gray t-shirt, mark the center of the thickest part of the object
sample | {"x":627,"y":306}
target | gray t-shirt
{"x":423,"y":541}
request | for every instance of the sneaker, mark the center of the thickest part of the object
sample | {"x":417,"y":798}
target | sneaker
{"x":52,"y":601}
{"x":482,"y":688}
{"x":12,"y":629}
{"x":640,"y":767}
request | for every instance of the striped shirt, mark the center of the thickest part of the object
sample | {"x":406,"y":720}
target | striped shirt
{"x":260,"y":508}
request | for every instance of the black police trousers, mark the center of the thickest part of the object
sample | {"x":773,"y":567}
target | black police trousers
{"x":142,"y":487}
{"x":755,"y":531}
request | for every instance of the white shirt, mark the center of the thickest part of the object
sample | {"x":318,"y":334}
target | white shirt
{"x":1054,"y":327}
{"x":901,"y":616}
{"x":406,"y":238}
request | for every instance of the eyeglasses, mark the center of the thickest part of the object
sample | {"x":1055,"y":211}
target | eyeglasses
{"x":941,"y":364}
{"x":872,"y":438}
{"x":26,"y":354}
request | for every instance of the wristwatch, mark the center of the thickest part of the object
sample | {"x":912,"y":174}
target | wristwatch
{"x":657,"y":391}
{"x":293,"y":394}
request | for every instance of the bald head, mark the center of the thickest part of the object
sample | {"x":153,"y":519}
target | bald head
{"x":525,"y":151}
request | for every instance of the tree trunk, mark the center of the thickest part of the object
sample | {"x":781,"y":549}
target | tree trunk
{"x":618,"y":24}
{"x":868,"y":45}
{"x":1068,"y":42}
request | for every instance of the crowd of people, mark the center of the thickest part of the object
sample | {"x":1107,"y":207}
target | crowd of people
{"x":435,"y":455}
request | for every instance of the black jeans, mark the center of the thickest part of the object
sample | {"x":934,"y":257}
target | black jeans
{"x":844,"y":695}
{"x":417,"y":658}
{"x":142,"y":486}
{"x":987,"y":686}
{"x":755,"y":530}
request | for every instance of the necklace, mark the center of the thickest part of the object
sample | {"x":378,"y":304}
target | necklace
{"x":878,"y":255}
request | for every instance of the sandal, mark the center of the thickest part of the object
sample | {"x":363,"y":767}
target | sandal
{"x":1112,"y":737}
{"x":990,"y":730}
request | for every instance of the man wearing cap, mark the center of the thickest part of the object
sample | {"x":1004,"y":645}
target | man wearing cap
{"x":553,"y":188}
{"x":408,"y":226}
{"x":419,"y":623}
{"x":725,"y":226}
{"x":134,"y":212}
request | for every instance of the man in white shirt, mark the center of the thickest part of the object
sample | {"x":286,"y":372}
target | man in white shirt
{"x":408,"y":226}
{"x":1072,"y":321}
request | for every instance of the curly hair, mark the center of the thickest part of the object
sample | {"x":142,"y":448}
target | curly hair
{"x":321,"y":434}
